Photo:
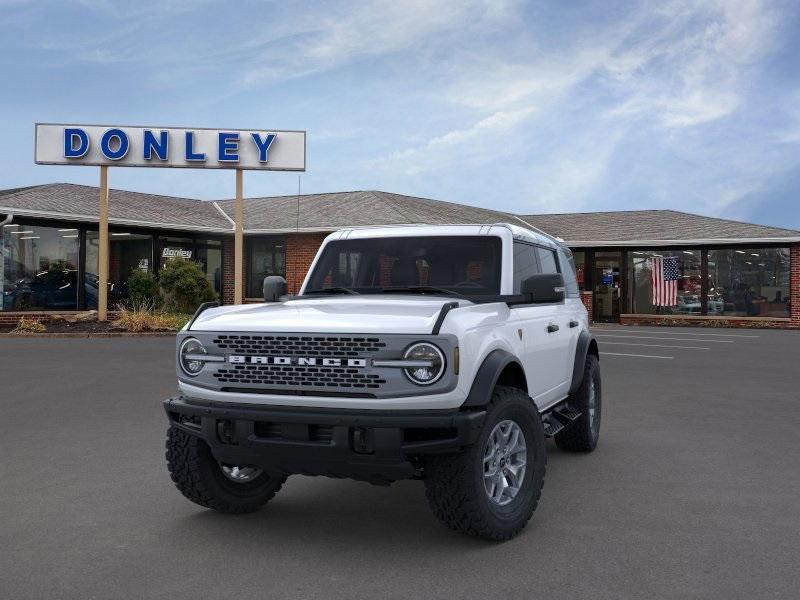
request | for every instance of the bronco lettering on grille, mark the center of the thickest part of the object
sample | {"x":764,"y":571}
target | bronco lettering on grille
{"x":300,"y":361}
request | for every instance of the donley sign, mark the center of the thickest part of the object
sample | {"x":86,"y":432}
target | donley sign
{"x":188,"y":148}
{"x":197,"y":148}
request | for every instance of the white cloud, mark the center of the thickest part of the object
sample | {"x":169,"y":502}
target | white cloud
{"x":374,"y":28}
{"x":670,"y":70}
{"x":532,"y":107}
{"x":475,"y":144}
{"x":567,"y":177}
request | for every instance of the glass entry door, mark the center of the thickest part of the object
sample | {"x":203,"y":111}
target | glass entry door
{"x":607,"y":277}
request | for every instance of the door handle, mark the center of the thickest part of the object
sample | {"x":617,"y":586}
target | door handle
{"x":552,"y":328}
{"x":573,"y":323}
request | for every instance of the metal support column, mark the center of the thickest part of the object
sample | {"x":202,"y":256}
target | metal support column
{"x":102,"y":255}
{"x":238,"y":251}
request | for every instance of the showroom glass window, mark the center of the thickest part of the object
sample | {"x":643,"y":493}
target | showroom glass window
{"x":209,"y":255}
{"x":665,"y":282}
{"x":39,"y":268}
{"x":748,"y":282}
{"x":579,"y":257}
{"x":128,"y":251}
{"x":265,"y":256}
{"x":176,"y":247}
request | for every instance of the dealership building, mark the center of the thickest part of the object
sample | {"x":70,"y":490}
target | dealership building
{"x":727,"y":272}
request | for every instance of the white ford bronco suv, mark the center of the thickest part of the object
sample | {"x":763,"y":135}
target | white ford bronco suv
{"x":441,"y":353}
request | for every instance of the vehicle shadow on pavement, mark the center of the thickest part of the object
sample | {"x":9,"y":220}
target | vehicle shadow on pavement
{"x":317,"y":510}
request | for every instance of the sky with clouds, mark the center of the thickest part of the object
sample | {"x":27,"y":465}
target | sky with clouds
{"x":522,"y":106}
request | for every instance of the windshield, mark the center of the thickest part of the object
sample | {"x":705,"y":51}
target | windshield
{"x":462,"y":265}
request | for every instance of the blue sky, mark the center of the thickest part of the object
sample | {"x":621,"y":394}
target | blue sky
{"x":521,"y":106}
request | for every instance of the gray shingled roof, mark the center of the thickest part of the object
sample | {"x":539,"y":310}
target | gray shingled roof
{"x":79,"y":202}
{"x":328,"y":212}
{"x":649,"y":225}
{"x":354,"y":209}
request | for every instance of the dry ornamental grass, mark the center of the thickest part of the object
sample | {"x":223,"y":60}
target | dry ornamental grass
{"x":143,"y":317}
{"x":29,"y":325}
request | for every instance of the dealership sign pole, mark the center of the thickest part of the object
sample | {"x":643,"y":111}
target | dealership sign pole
{"x":187,"y":148}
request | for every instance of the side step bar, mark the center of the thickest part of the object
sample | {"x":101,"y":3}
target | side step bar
{"x":555,"y":419}
{"x":566,"y":411}
{"x":551,"y":425}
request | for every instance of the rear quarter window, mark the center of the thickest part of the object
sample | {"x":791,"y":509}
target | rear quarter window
{"x":569,"y":272}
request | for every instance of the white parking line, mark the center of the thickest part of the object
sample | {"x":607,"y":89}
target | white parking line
{"x":653,"y":345}
{"x":651,"y":337}
{"x":636,"y":355}
{"x":632,"y":331}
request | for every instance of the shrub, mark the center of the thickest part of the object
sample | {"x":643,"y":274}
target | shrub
{"x":176,"y":321}
{"x":184,"y":286}
{"x":142,"y":316}
{"x":143,"y":289}
{"x":29,"y":325}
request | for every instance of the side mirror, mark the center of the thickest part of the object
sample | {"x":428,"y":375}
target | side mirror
{"x":274,"y":288}
{"x":544,"y":288}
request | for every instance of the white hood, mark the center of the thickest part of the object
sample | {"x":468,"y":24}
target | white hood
{"x":340,"y":314}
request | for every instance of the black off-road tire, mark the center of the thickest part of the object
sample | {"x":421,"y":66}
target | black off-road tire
{"x":454,"y":482}
{"x":198,"y":476}
{"x":582,"y":434}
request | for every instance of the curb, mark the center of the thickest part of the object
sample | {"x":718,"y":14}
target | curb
{"x":121,"y":334}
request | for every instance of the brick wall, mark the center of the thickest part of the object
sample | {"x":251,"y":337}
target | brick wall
{"x":301,"y":248}
{"x":228,"y":281}
{"x":794,"y":284}
{"x":586,"y":298}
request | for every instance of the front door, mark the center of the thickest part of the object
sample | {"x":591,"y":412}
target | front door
{"x":607,"y":286}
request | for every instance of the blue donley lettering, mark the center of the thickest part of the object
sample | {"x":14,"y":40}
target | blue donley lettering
{"x":228,"y":147}
{"x":159,"y":146}
{"x":115,"y":144}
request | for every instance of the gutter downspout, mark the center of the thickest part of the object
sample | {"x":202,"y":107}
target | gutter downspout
{"x":8,"y":218}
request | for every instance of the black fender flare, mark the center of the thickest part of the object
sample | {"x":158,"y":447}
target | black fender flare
{"x":480,"y":394}
{"x":586,"y":343}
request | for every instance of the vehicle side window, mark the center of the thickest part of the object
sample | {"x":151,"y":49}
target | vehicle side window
{"x":570,"y":273}
{"x":525,"y":264}
{"x":547,"y":260}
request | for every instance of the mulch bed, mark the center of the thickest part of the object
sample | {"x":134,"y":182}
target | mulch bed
{"x":88,"y":328}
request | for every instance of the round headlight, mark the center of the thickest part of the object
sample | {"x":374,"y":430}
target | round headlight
{"x":431,"y":366}
{"x":191,"y":348}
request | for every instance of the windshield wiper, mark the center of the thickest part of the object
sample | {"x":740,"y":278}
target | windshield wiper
{"x":420,"y":289}
{"x":331,"y":290}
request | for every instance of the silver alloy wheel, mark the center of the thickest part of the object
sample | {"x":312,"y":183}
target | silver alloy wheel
{"x":504,"y":459}
{"x":240,"y":474}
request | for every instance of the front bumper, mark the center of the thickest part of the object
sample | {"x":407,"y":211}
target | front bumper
{"x":375,"y":446}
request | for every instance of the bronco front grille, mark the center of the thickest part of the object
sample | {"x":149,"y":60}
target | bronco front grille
{"x":269,"y":375}
{"x":295,"y":345}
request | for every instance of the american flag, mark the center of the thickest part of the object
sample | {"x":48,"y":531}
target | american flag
{"x":664,"y":279}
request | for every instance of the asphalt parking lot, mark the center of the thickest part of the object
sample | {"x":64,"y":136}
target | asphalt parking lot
{"x":693,"y":492}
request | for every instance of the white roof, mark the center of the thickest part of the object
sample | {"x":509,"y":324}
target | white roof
{"x":517,"y":232}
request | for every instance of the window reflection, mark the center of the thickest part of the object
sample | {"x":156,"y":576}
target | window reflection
{"x":39,"y":268}
{"x":665,"y":281}
{"x":128,"y":252}
{"x":209,"y":255}
{"x":579,"y":256}
{"x":747,"y":282}
{"x":265,"y":256}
